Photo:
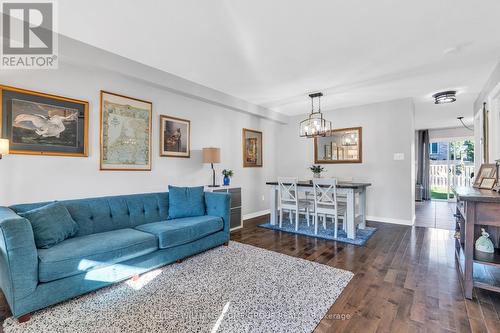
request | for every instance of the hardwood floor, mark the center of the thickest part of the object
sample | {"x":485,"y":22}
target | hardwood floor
{"x":405,"y":280}
{"x":435,"y":214}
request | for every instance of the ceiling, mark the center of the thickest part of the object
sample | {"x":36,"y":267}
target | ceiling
{"x":273,"y":53}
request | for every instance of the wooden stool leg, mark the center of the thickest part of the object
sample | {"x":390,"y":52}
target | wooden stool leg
{"x":24,"y":318}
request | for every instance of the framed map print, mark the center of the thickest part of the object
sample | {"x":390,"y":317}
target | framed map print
{"x":252,"y":148}
{"x":125,"y":133}
{"x":175,"y":137}
{"x":41,"y":124}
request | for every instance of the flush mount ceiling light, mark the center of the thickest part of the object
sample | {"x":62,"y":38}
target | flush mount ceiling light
{"x":315,"y":125}
{"x":445,"y":97}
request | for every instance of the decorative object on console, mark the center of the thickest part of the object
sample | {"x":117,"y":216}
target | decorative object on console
{"x":227,"y":173}
{"x":36,"y":123}
{"x":485,"y":171}
{"x":484,"y":243}
{"x":316,"y":170}
{"x":497,"y":187}
{"x":211,"y":155}
{"x":4,"y":147}
{"x":342,"y":145}
{"x":252,"y":148}
{"x":175,"y":137}
{"x":125,"y":133}
{"x":315,"y":125}
{"x":487,"y":183}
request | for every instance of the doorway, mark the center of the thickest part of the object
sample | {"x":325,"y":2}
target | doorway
{"x":451,"y":164}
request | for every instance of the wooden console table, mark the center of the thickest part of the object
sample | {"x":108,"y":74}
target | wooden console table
{"x":477,"y":209}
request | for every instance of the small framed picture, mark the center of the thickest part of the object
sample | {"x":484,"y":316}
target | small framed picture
{"x":175,"y":137}
{"x":485,"y":171}
{"x":487,"y":183}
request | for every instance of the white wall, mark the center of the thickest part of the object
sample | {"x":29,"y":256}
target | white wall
{"x":450,"y":133}
{"x":388,"y":128}
{"x":36,"y":178}
{"x":491,"y":95}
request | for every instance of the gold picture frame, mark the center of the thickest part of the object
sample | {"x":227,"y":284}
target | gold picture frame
{"x":182,"y":137}
{"x":132,"y":152}
{"x":24,"y":115}
{"x":485,"y":171}
{"x":252,"y":148}
{"x":488,"y":183}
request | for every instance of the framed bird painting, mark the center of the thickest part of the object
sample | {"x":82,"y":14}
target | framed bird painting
{"x":36,"y":123}
{"x":175,"y":137}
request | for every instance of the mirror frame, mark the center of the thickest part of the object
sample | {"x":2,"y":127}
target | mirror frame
{"x":360,"y":147}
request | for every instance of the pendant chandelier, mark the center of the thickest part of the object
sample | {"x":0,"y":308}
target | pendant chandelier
{"x":315,"y":125}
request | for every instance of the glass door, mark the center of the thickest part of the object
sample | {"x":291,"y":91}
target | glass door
{"x":451,"y":164}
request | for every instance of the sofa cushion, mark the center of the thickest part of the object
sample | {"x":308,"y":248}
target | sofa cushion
{"x":82,"y":254}
{"x":185,"y":202}
{"x":184,"y":230}
{"x":51,"y":224}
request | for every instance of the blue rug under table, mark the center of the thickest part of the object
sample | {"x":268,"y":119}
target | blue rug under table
{"x":362,"y":235}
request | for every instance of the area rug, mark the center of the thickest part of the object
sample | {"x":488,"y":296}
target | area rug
{"x":362,"y":235}
{"x":239,"y":288}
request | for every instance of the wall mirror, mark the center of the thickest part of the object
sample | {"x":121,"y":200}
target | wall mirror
{"x":339,"y":146}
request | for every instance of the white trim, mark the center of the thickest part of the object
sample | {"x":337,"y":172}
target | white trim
{"x":236,"y":228}
{"x":389,"y":220}
{"x":255,"y":214}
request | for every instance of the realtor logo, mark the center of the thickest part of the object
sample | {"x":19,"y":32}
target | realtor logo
{"x":28,"y":38}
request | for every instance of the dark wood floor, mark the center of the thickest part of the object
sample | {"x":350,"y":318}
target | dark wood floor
{"x":435,"y":214}
{"x":405,"y":280}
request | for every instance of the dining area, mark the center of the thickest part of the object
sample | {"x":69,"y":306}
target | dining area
{"x":321,"y":206}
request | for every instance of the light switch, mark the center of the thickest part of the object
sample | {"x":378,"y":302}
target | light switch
{"x":399,"y":156}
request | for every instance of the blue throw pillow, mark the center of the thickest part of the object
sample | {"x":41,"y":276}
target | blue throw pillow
{"x":185,"y":202}
{"x":51,"y":224}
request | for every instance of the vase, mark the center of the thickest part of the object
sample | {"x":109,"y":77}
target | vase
{"x":227,"y":180}
{"x":317,"y":175}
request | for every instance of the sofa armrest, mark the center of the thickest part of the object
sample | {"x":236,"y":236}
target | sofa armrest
{"x":18,"y":257}
{"x":219,"y":204}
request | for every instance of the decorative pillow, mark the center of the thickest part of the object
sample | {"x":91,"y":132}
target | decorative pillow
{"x":185,"y":202}
{"x":51,"y":224}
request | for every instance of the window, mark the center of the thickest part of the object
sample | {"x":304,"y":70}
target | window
{"x":434,"y":148}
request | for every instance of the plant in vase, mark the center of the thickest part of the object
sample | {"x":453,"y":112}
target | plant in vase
{"x":316,"y":170}
{"x":227,"y":176}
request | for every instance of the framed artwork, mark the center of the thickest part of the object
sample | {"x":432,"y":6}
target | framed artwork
{"x":125,"y":133}
{"x":252,"y":148}
{"x":175,"y":137}
{"x":36,"y":123}
{"x":485,"y":171}
{"x":488,"y":183}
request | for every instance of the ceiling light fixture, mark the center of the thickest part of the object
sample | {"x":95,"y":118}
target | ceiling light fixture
{"x":445,"y":97}
{"x":315,"y":125}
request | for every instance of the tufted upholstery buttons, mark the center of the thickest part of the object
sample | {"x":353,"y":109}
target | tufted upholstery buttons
{"x":91,"y":217}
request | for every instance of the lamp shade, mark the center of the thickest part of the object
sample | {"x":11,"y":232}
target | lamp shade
{"x":211,"y":155}
{"x":4,"y":147}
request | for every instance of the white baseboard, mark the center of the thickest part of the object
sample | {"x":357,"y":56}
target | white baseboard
{"x":389,"y":220}
{"x":256,"y":214}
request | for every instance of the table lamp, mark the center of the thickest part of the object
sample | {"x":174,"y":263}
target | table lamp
{"x":211,"y":155}
{"x":4,"y":147}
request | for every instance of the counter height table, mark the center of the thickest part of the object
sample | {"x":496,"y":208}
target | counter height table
{"x":347,"y":189}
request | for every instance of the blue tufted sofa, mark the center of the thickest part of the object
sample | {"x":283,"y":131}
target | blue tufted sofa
{"x":119,"y":237}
